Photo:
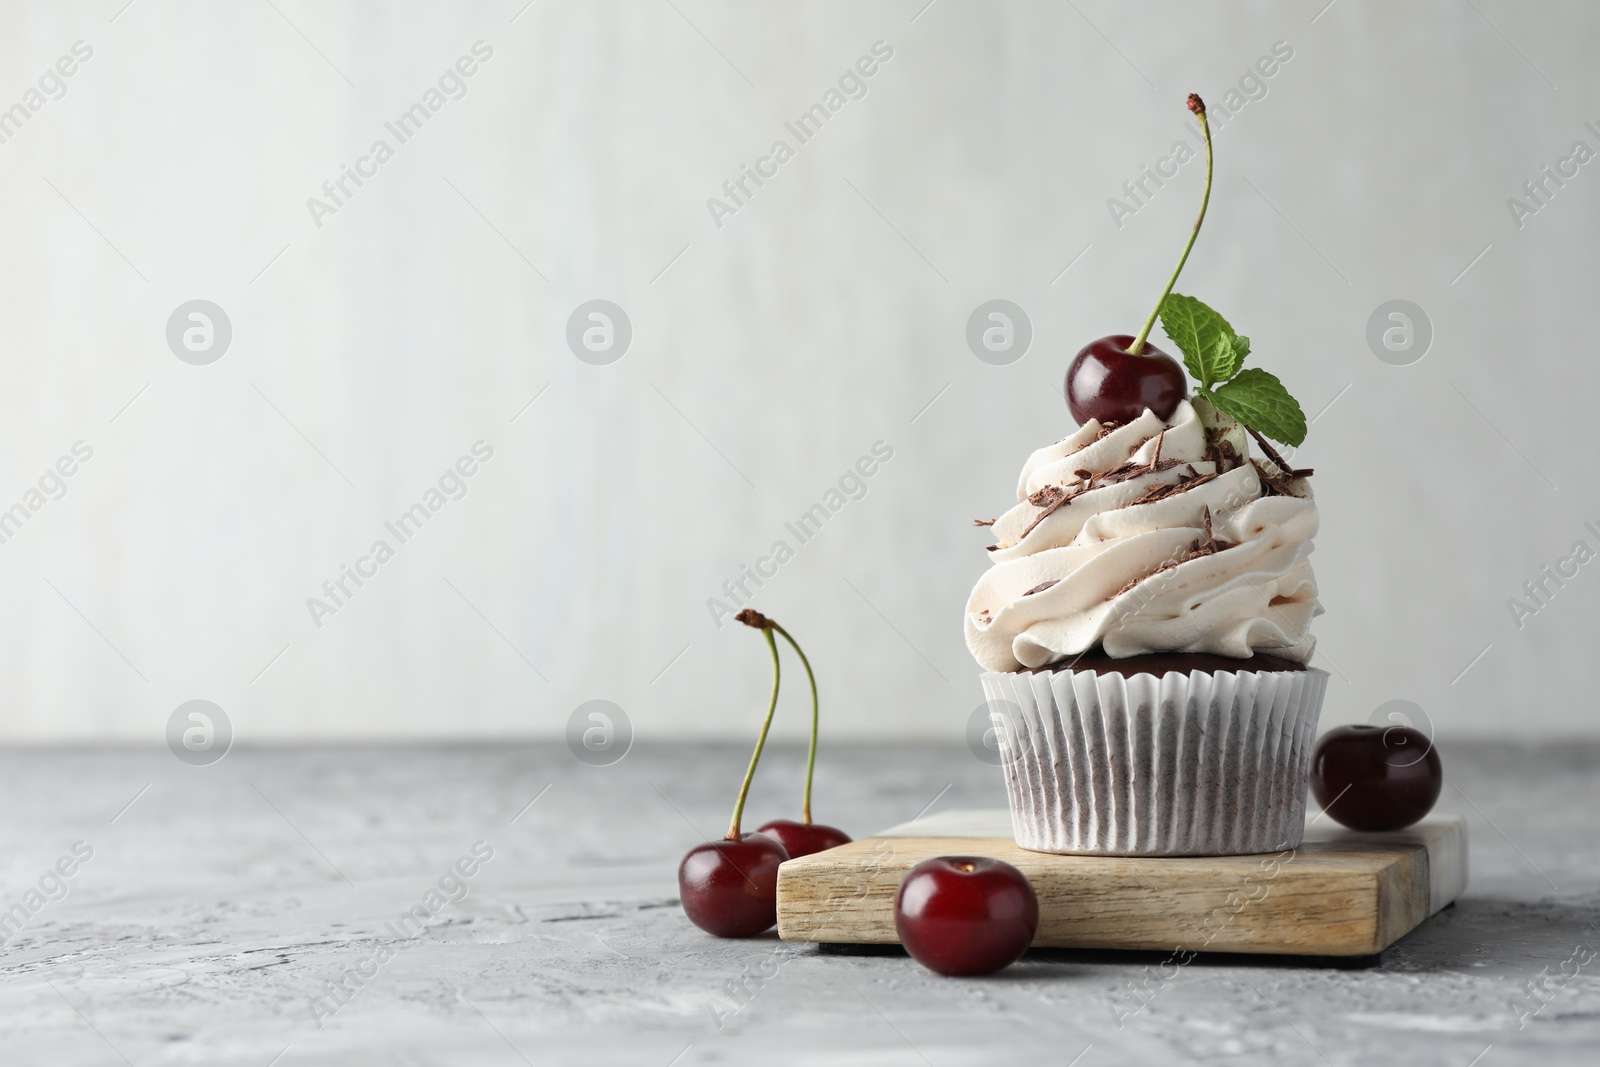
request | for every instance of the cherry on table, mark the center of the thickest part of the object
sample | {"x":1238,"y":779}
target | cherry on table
{"x":965,"y":915}
{"x":1375,"y":778}
{"x":730,"y":888}
{"x":804,"y":838}
{"x":1109,"y":383}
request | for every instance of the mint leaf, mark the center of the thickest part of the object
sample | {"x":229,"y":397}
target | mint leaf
{"x":1260,"y":401}
{"x":1226,"y":356}
{"x":1240,"y":349}
{"x":1212,"y":352}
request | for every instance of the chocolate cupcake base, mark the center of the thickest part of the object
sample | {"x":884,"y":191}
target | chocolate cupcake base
{"x":1208,"y":762}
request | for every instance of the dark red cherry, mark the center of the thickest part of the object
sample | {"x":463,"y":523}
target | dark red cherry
{"x":965,"y":915}
{"x":1108,"y":383}
{"x":1376,"y":777}
{"x":803,"y":838}
{"x":730,"y":888}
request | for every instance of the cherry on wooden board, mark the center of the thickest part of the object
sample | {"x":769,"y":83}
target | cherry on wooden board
{"x":1376,"y":778}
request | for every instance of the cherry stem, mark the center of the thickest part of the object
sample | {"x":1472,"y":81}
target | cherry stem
{"x":1199,"y":109}
{"x":761,"y":741}
{"x":811,"y":756}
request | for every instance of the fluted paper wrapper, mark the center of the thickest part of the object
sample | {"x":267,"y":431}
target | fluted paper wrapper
{"x":1210,"y":763}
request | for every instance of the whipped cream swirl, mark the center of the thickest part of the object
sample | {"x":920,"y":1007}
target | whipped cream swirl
{"x":1147,"y":537}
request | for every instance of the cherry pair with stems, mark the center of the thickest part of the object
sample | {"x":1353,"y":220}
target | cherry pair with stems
{"x":957,"y":915}
{"x":730,"y":887}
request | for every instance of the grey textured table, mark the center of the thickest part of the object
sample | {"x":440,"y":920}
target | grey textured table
{"x":220,"y":904}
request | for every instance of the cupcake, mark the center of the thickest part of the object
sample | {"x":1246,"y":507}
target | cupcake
{"x":1145,"y":622}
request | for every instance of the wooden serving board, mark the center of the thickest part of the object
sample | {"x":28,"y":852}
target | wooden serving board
{"x":1341,"y":893}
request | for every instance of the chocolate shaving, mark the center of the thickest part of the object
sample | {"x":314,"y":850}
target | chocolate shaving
{"x":1050,"y":498}
{"x":1210,"y":545}
{"x":1041,"y":587}
{"x":1166,"y":489}
{"x":1224,"y":455}
{"x":1156,"y":492}
{"x":1274,"y":481}
{"x":983,"y":522}
{"x":1119,"y":473}
{"x":1167,"y":566}
{"x":1131,"y":470}
{"x":1272,"y":453}
{"x":1279,"y":483}
{"x":1050,"y":494}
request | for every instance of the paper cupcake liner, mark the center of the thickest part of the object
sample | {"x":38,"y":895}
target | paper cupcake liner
{"x":1210,"y":763}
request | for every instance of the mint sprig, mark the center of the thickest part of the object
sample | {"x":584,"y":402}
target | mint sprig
{"x":1211,"y":350}
{"x":1259,"y":400}
{"x":1214,"y":354}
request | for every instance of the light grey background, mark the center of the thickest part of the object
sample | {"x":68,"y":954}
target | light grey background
{"x":767,"y":355}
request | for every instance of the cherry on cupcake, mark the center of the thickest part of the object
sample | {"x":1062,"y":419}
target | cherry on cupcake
{"x":1376,"y":778}
{"x":804,"y":837}
{"x":965,"y":915}
{"x":730,"y":887}
{"x":1109,"y":382}
{"x":1115,"y":378}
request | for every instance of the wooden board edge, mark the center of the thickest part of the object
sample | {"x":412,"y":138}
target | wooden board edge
{"x":1447,"y":866}
{"x":1415,"y":884}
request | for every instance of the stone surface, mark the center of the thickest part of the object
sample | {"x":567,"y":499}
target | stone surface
{"x":218,"y":905}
